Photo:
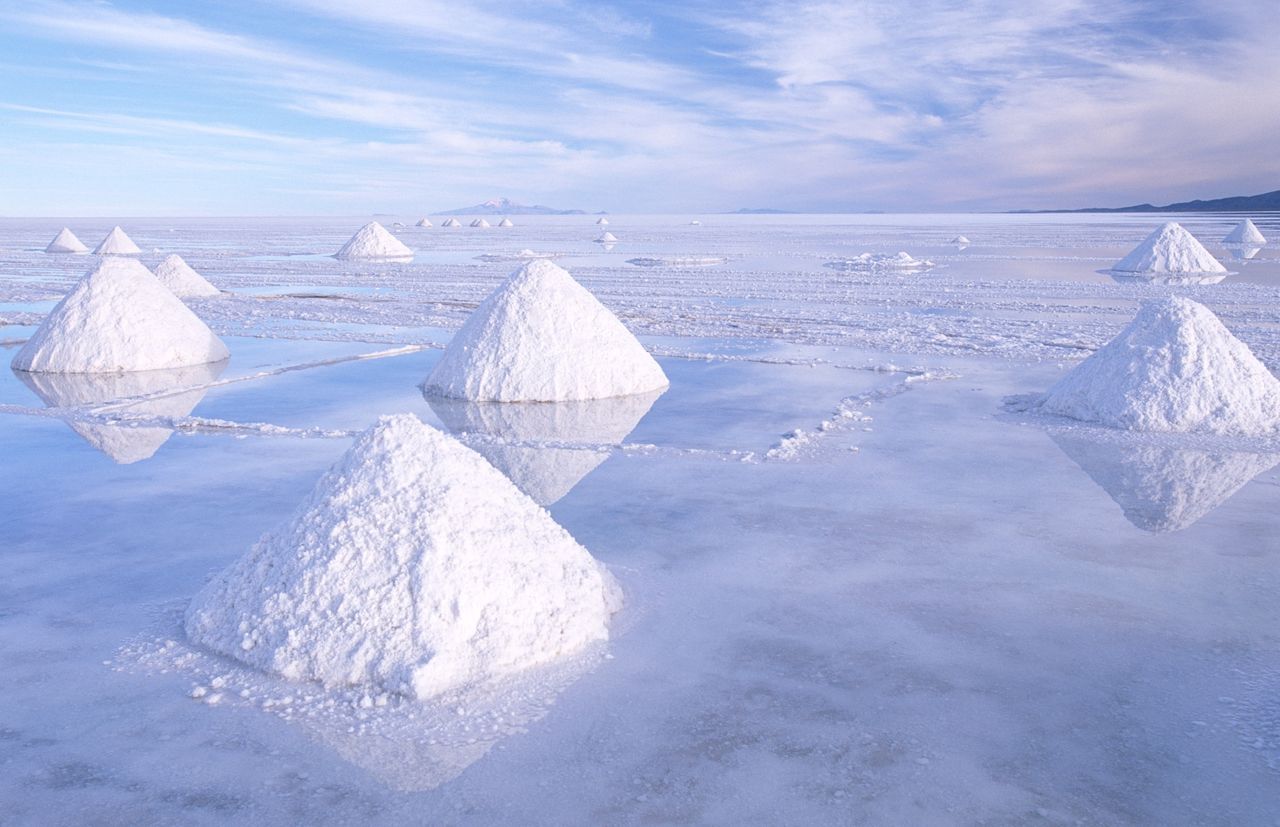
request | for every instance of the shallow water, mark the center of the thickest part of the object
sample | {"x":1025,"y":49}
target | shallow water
{"x":918,"y":608}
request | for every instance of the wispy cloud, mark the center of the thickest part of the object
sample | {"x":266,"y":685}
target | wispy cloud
{"x":825,"y":105}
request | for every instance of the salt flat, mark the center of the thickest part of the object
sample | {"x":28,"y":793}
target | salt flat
{"x":858,"y":585}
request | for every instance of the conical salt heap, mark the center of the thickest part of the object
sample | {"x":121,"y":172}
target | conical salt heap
{"x":1170,"y":249}
{"x":451,"y":222}
{"x":414,"y":566}
{"x":506,"y":222}
{"x":119,"y":317}
{"x":373,"y":241}
{"x":182,"y":281}
{"x":1246,"y":232}
{"x":117,"y":243}
{"x":607,"y":238}
{"x":423,"y":222}
{"x":1174,"y":368}
{"x":602,"y":222}
{"x":480,"y":222}
{"x":66,"y":242}
{"x":542,"y":337}
{"x":960,"y":240}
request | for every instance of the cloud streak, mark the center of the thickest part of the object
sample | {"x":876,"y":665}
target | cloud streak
{"x":804,"y":105}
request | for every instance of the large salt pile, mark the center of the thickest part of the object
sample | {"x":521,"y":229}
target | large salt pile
{"x":451,"y":222}
{"x":1176,"y":367}
{"x":182,"y":281}
{"x":66,"y":242}
{"x":506,"y":222}
{"x":542,"y":337}
{"x":545,"y":448}
{"x":119,"y":317}
{"x":117,"y":243}
{"x":414,"y":566}
{"x":1170,"y":249}
{"x":1246,"y":232}
{"x":606,"y":238}
{"x":424,"y":222}
{"x":373,"y":241}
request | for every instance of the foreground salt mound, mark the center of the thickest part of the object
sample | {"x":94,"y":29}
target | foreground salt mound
{"x":414,"y":566}
{"x":1164,"y":488}
{"x":1246,"y":232}
{"x":66,"y":242}
{"x":160,"y":394}
{"x":542,"y":337}
{"x":373,"y":241}
{"x":545,"y":448}
{"x":1176,"y":367}
{"x":117,"y":243}
{"x":423,"y":222}
{"x":119,"y":317}
{"x":1170,"y":249}
{"x":182,"y":280}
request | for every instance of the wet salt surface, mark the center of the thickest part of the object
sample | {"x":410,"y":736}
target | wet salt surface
{"x":933,"y":610}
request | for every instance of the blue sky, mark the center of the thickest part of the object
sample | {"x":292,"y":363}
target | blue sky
{"x":132,"y":107}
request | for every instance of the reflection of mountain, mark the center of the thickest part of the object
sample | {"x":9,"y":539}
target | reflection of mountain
{"x":420,"y":746}
{"x":545,"y":472}
{"x":1169,"y":279}
{"x":123,"y":443}
{"x":1163,"y":488}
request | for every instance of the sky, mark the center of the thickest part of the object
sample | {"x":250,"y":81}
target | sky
{"x":315,"y":107}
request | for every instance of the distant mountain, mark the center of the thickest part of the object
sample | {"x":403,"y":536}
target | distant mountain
{"x":505,"y":206}
{"x":1239,"y":203}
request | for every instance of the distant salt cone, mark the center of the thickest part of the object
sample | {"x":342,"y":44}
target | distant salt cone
{"x":117,"y":243}
{"x":66,"y":242}
{"x":1176,"y":367}
{"x":182,"y":281}
{"x":1164,"y":488}
{"x":542,"y":337}
{"x":480,"y":222}
{"x":506,"y":222}
{"x":373,"y":241}
{"x":1246,"y":232}
{"x":959,"y":240}
{"x":415,"y":567}
{"x":1170,"y":249}
{"x":602,"y":222}
{"x":119,"y":317}
{"x":423,"y":222}
{"x":606,"y":238}
{"x":451,"y":222}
